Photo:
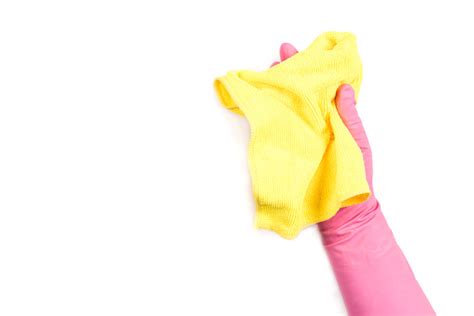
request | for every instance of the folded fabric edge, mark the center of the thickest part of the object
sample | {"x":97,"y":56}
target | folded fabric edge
{"x":264,"y":221}
{"x":225,"y":94}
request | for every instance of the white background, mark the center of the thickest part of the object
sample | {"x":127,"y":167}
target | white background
{"x":124,"y":187}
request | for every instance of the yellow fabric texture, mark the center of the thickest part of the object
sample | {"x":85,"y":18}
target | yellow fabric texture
{"x":303,"y":161}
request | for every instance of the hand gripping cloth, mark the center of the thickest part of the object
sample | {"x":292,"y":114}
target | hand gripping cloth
{"x":303,"y":161}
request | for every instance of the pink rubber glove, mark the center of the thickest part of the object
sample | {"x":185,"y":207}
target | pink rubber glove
{"x":374,"y":277}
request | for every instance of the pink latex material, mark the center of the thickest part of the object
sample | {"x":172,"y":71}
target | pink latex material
{"x":373,"y":275}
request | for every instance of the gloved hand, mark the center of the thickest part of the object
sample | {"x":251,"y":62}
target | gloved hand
{"x":373,"y":275}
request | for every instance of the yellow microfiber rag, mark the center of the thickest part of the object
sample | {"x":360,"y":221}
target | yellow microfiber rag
{"x":303,"y":161}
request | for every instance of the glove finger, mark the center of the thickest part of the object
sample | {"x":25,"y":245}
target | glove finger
{"x":274,"y":64}
{"x":286,"y":51}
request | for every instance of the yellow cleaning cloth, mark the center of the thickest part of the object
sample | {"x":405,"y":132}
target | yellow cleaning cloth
{"x":303,"y":161}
